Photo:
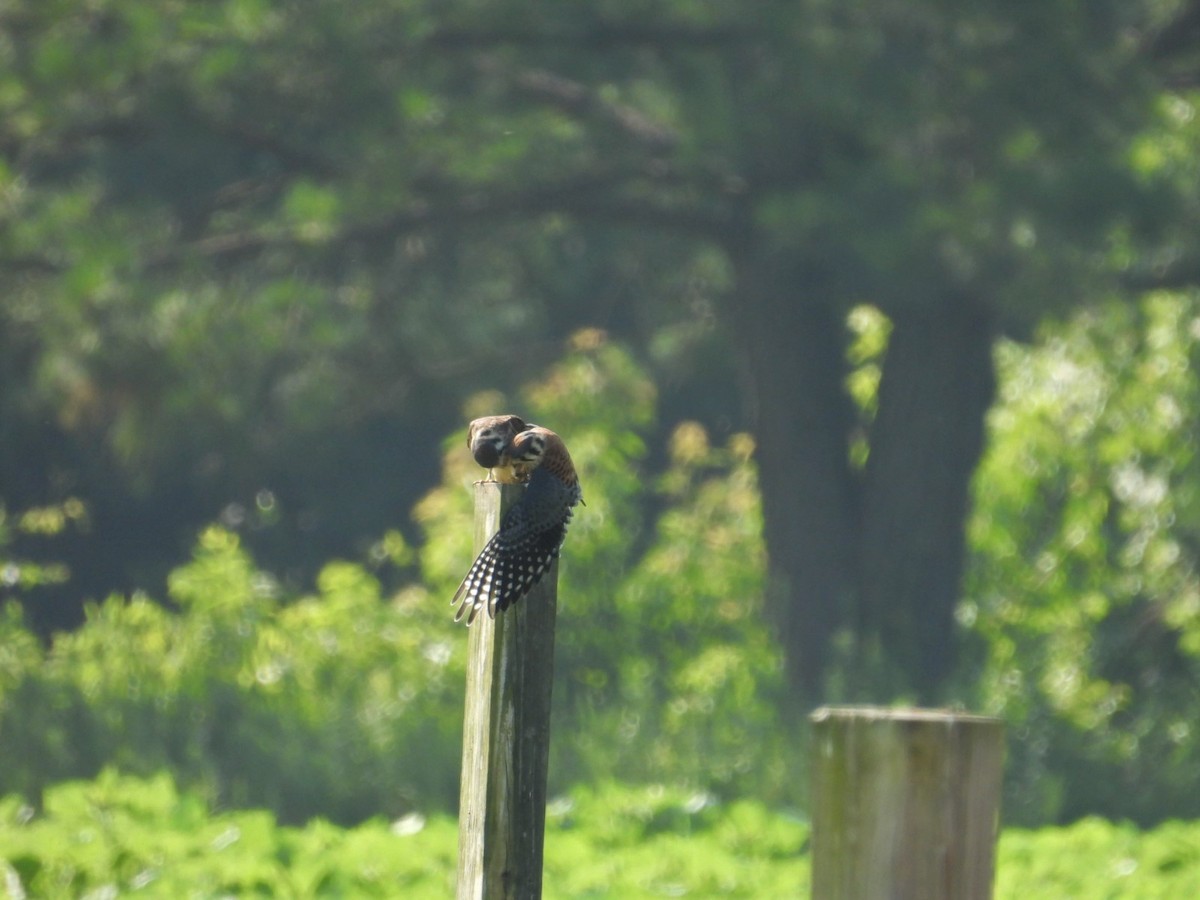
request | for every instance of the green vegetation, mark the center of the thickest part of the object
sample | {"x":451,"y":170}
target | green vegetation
{"x":259,"y":256}
{"x":1096,"y":858}
{"x":347,"y":704}
{"x":872,"y":327}
{"x":120,"y":834}
{"x":1083,"y":587}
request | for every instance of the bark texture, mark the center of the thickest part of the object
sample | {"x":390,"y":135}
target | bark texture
{"x":878,"y":552}
{"x":795,"y":350}
{"x":937,"y":385}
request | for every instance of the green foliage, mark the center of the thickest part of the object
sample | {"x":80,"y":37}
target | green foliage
{"x":120,"y":834}
{"x":699,"y":668}
{"x":1095,"y":858}
{"x":336,"y":704}
{"x":125,"y":834}
{"x":615,"y":841}
{"x":254,"y":252}
{"x":43,"y":523}
{"x":1084,"y":585}
{"x":254,"y":245}
{"x":348,"y":704}
{"x":663,"y":661}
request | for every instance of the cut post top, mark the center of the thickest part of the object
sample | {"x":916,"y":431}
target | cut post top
{"x":899,"y":714}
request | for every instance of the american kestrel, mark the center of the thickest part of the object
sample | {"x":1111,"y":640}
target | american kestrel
{"x":489,"y":439}
{"x":532,"y":531}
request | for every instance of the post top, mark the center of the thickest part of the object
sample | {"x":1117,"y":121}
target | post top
{"x":899,"y":714}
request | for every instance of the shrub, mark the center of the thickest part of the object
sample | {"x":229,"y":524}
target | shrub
{"x":336,"y":704}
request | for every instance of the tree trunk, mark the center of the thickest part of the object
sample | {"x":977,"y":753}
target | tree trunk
{"x":882,"y":558}
{"x":795,"y":352}
{"x":937,"y":385}
{"x":881,"y":555}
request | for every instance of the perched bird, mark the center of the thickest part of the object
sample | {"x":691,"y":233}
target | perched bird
{"x":532,"y":531}
{"x":489,"y":439}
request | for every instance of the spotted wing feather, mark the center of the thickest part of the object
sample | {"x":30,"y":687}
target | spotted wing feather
{"x":519,"y":554}
{"x":506,"y":570}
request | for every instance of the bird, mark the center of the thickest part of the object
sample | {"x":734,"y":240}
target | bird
{"x":532,"y":531}
{"x":488,"y":439}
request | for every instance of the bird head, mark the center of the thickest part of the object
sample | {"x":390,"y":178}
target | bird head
{"x":489,"y":436}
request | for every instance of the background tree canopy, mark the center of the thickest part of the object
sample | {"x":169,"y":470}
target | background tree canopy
{"x":260,"y":259}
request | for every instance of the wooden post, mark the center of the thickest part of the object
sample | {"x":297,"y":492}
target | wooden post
{"x":506,"y":732}
{"x":905,"y":804}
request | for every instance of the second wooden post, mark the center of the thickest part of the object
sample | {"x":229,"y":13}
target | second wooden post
{"x":905,"y":803}
{"x":506,"y":732}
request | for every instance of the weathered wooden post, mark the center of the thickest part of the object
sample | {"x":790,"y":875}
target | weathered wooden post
{"x":905,"y":804}
{"x":506,"y":732}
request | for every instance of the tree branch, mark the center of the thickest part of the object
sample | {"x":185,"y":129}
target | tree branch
{"x":602,"y":197}
{"x":1179,"y":35}
{"x":596,"y":36}
{"x":1177,"y":275}
{"x":582,"y":101}
{"x":32,"y":265}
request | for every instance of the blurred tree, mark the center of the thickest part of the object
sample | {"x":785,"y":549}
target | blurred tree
{"x":256,"y":260}
{"x":1086,"y":549}
{"x":257,"y":253}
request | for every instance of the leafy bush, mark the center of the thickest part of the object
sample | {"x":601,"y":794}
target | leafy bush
{"x":31,"y":530}
{"x":1096,"y":858}
{"x":1085,"y":583}
{"x":336,"y":704}
{"x":121,"y":834}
